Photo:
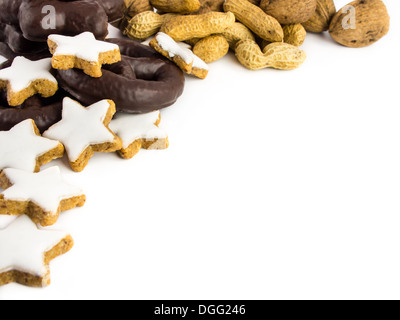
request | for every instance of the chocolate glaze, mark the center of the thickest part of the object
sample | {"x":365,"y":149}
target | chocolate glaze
{"x":134,"y":49}
{"x":114,"y":9}
{"x":9,"y":11}
{"x":44,"y":111}
{"x":12,"y":36}
{"x":158,"y":85}
{"x":142,"y":82}
{"x":136,"y":84}
{"x":6,"y":52}
{"x":72,"y":18}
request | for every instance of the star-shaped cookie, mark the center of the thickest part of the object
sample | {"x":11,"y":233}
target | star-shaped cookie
{"x":23,"y":148}
{"x":83,"y":52}
{"x":41,"y":196}
{"x":179,"y":53}
{"x":139,"y":131}
{"x":84,"y":131}
{"x":26,"y":252}
{"x":26,"y":78}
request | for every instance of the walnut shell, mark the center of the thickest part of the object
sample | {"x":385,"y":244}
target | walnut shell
{"x":360,"y":24}
{"x":322,"y":17}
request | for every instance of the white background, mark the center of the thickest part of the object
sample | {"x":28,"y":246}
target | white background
{"x":277,"y":185}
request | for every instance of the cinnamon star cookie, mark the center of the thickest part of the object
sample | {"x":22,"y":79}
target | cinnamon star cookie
{"x":84,"y":131}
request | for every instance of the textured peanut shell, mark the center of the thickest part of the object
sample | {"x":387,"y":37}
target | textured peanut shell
{"x":250,"y":55}
{"x":322,"y":17}
{"x":263,"y":25}
{"x":183,"y":28}
{"x":295,"y":34}
{"x":176,"y":6}
{"x":211,"y":48}
{"x":277,"y":55}
{"x":133,"y":7}
{"x":237,"y":32}
{"x":146,"y":24}
{"x":284,"y":56}
{"x":256,"y":2}
{"x":372,"y":23}
{"x":289,"y":11}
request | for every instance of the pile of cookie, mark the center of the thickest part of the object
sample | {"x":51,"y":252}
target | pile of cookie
{"x":67,"y":92}
{"x":261,"y":33}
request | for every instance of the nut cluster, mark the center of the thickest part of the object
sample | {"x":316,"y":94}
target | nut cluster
{"x":262,"y":33}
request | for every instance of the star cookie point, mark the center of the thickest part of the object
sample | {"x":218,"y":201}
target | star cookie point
{"x":26,"y":252}
{"x":25,"y":78}
{"x":183,"y":57}
{"x":42,"y":196}
{"x":22,"y":147}
{"x":83,"y":52}
{"x":139,"y":131}
{"x":84,"y":131}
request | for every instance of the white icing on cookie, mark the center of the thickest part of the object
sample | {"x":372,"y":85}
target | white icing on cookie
{"x":83,"y":46}
{"x":23,"y":72}
{"x":199,"y":64}
{"x":179,"y":49}
{"x":46,"y":188}
{"x":168,"y":44}
{"x":81,"y":127}
{"x":20,"y":147}
{"x":23,"y":245}
{"x":132,"y":127}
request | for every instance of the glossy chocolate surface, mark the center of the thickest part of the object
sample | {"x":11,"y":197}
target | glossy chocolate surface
{"x":12,"y":36}
{"x":134,"y":49}
{"x":44,"y":111}
{"x":114,"y":9}
{"x":71,"y":18}
{"x":9,"y":11}
{"x":136,"y":85}
{"x":140,"y":83}
{"x":6,"y":52}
